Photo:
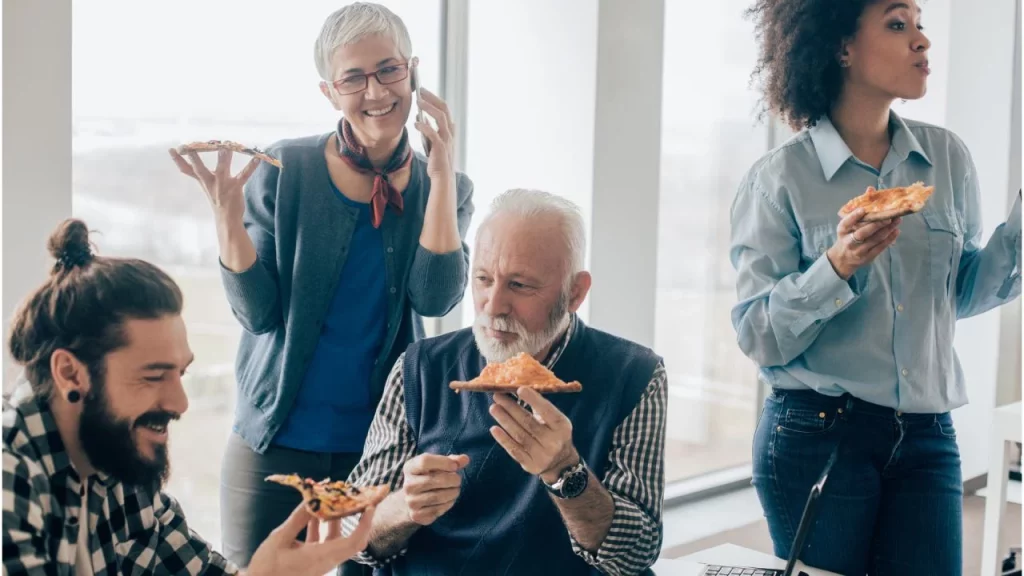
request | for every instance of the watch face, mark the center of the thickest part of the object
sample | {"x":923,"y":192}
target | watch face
{"x":574,"y":484}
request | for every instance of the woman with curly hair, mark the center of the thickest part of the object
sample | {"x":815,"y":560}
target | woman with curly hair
{"x":851,"y":322}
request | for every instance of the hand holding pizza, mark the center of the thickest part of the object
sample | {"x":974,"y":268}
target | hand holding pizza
{"x":432,"y":484}
{"x":223,"y":190}
{"x":859,"y":242}
{"x":441,"y":160}
{"x":281,"y":553}
{"x":540,"y":442}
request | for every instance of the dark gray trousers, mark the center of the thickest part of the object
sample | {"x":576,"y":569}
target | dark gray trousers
{"x":250,"y":507}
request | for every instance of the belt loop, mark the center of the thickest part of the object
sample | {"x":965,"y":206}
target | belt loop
{"x":847,"y":409}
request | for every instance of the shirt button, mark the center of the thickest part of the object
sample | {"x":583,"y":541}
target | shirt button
{"x":390,"y":249}
{"x":899,"y":308}
{"x":839,"y":303}
{"x":393,"y":290}
{"x":904,"y":372}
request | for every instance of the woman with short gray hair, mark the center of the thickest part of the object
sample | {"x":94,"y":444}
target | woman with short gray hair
{"x":329,"y":263}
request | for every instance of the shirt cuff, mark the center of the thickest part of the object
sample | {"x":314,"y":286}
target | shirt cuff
{"x":624,"y":549}
{"x":220,"y":565}
{"x":827,"y":293}
{"x":348,"y":525}
{"x":1013,"y":221}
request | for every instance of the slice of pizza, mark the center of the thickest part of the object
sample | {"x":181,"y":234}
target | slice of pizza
{"x":212,"y":145}
{"x":520,"y":370}
{"x":889,"y":203}
{"x":332,"y":500}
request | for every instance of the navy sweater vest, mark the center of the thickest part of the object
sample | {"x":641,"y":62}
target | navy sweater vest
{"x":504,"y":521}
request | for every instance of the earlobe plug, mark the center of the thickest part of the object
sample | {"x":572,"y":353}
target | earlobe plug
{"x":74,"y":396}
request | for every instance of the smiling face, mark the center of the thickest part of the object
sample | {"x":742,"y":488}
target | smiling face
{"x":889,"y":53}
{"x":123,"y":428}
{"x":378,"y":114}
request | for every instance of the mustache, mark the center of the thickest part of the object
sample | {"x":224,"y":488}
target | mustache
{"x":160,"y":418}
{"x":501,"y":324}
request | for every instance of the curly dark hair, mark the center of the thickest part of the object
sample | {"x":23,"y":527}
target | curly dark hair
{"x":798,"y":68}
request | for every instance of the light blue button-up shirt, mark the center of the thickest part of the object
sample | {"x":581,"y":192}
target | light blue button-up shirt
{"x":886,"y":335}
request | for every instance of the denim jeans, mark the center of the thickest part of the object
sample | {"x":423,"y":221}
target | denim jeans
{"x":893,"y":503}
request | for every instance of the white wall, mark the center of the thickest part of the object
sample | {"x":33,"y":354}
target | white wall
{"x":36,"y":151}
{"x":978,"y":109}
{"x":1008,"y":385}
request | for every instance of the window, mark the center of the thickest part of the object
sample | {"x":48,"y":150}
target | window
{"x":710,"y":137}
{"x":530,"y":120}
{"x":167,"y":73}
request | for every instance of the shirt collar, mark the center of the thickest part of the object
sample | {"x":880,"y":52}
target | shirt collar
{"x":833,"y":152}
{"x":904,"y":143}
{"x":563,"y":342}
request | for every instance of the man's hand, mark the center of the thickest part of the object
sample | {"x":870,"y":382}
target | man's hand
{"x":432,"y":484}
{"x":540,"y":442}
{"x":281,"y":553}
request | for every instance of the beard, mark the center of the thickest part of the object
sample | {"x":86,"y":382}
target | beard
{"x":108,"y":442}
{"x":531,"y":343}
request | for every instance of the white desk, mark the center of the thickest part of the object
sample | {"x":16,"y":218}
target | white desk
{"x":726,"y":555}
{"x":1006,"y":429}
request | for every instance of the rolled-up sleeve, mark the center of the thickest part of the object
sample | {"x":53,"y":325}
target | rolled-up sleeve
{"x":437,"y":282}
{"x":389,"y":445}
{"x":990,"y":276}
{"x":253,"y":293}
{"x":635,"y":478}
{"x":781,"y":308}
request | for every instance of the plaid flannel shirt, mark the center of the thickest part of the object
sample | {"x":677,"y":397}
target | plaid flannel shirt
{"x":634,"y":475}
{"x":131,"y":530}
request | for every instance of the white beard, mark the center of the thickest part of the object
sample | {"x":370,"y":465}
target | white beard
{"x":495,"y":351}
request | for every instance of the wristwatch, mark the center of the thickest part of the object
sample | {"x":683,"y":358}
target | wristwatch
{"x":571,"y":483}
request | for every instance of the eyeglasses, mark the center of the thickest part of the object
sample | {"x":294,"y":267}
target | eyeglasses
{"x":359,"y":82}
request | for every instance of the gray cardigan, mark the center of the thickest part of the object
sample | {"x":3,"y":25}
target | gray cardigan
{"x":302,"y":231}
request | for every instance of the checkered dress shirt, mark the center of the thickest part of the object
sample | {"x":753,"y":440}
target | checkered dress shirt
{"x":132,"y":531}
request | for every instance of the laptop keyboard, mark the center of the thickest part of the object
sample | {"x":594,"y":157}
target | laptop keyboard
{"x":740,"y":571}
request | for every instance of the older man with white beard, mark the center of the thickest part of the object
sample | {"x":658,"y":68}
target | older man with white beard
{"x":503,"y":484}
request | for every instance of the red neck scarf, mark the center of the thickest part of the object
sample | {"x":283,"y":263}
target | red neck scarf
{"x":384,"y":194}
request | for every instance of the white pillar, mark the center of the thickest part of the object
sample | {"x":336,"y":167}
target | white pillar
{"x":627,"y":167}
{"x":36,"y":145}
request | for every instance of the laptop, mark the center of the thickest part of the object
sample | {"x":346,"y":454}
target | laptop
{"x":685,"y":568}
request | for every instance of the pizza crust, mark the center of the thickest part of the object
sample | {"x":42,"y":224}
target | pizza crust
{"x":889,"y":203}
{"x":518,"y":371}
{"x":211,"y":145}
{"x":328,"y":500}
